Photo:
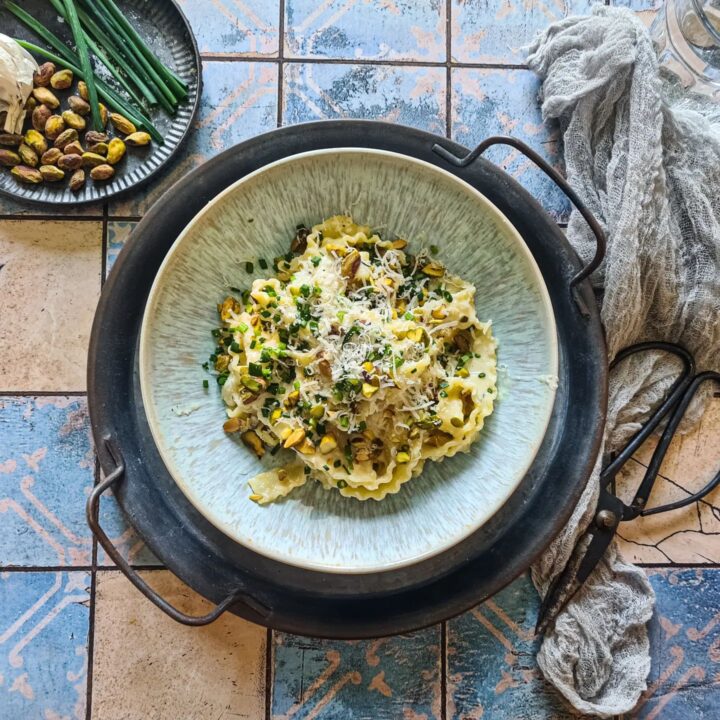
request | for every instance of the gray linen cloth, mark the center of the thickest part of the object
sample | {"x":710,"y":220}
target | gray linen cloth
{"x":651,"y":174}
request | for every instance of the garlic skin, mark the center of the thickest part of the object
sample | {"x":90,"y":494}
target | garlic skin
{"x":16,"y":82}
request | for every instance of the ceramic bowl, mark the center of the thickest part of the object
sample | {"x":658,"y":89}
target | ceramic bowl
{"x":256,"y":217}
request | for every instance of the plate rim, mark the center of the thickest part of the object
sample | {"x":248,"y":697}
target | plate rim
{"x":154,"y":423}
{"x":80,"y":202}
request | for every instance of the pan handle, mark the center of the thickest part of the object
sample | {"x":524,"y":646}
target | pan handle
{"x":554,"y":175}
{"x":92,"y":512}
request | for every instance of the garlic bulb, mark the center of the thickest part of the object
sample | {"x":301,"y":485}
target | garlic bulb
{"x":16,"y":82}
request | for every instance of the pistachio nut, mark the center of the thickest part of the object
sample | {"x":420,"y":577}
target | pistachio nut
{"x":122,"y":124}
{"x":62,"y":79}
{"x":92,"y":137}
{"x":50,"y":173}
{"x":138,"y":139}
{"x":433,"y":269}
{"x":54,"y":127}
{"x":77,"y":181}
{"x":83,"y":90}
{"x":73,"y":120}
{"x":116,"y":150}
{"x":46,"y":97}
{"x":103,"y":114}
{"x":102,"y":172}
{"x":36,"y":141}
{"x":28,"y":155}
{"x":8,"y":158}
{"x":30,"y":104}
{"x":70,"y":162}
{"x":73,"y":148}
{"x":28,"y":175}
{"x":92,"y":160}
{"x":253,"y":441}
{"x":40,"y":117}
{"x":78,"y":105}
{"x":41,"y":77}
{"x":10,"y":140}
{"x":66,"y":137}
{"x":99,"y":149}
{"x":51,"y":156}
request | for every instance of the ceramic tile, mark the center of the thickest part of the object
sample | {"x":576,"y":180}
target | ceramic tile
{"x":239,"y":100}
{"x":347,"y":29}
{"x":497,"y":33}
{"x":407,"y":95}
{"x":118,"y":234}
{"x":44,"y":621}
{"x":49,"y":286}
{"x":12,"y":207}
{"x":148,"y":666}
{"x":684,"y":641}
{"x":383,"y":679}
{"x":491,"y":669}
{"x":505,"y":102}
{"x":47,"y":467}
{"x":237,"y":27}
{"x":686,"y":535}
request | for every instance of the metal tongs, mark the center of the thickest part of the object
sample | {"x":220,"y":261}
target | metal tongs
{"x":611,"y":511}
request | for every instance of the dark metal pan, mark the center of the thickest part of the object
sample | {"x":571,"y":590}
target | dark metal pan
{"x":315,"y":603}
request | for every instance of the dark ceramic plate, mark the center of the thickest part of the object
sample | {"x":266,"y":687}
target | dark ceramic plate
{"x":167,"y":32}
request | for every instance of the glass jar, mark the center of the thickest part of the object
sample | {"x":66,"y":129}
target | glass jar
{"x":686,"y":34}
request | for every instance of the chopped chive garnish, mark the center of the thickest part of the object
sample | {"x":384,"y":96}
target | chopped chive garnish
{"x":341,"y":315}
{"x":234,"y":289}
{"x":255,"y":370}
{"x":341,"y":484}
{"x":344,"y":423}
{"x":215,"y":332}
{"x":409,"y":316}
{"x":206,"y":384}
{"x":235,"y":347}
{"x":206,"y":366}
{"x":265,"y":313}
{"x":249,"y":267}
{"x":222,"y":378}
{"x":242,"y":327}
{"x":434,"y":249}
{"x":399,"y":361}
{"x":305,"y":290}
{"x":253,"y":344}
{"x":362,"y":426}
{"x":481,"y":375}
{"x":443,"y":394}
{"x":315,"y":260}
{"x":296,"y":384}
{"x":337,"y":464}
{"x":263,"y":263}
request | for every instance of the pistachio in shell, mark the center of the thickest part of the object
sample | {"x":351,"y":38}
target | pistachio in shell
{"x":82,"y":89}
{"x":102,"y":172}
{"x":36,"y":141}
{"x":77,"y":180}
{"x":138,"y":139}
{"x":41,"y":77}
{"x":10,"y":140}
{"x":50,"y":173}
{"x":27,"y":175}
{"x":78,"y":105}
{"x":70,"y":162}
{"x":51,"y":156}
{"x":28,"y":156}
{"x":8,"y":158}
{"x":73,"y":120}
{"x":30,"y":104}
{"x":66,"y":137}
{"x":73,"y":148}
{"x":62,"y":79}
{"x":93,"y":137}
{"x":116,"y":151}
{"x":46,"y":97}
{"x":122,"y":124}
{"x":99,"y":149}
{"x":92,"y":160}
{"x":54,"y":127}
{"x":40,"y":116}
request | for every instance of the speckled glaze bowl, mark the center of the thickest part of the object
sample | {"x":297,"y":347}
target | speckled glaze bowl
{"x":256,"y":217}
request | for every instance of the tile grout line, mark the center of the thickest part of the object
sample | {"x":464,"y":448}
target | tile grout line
{"x":104,"y":244}
{"x":443,"y":669}
{"x":43,"y":393}
{"x":448,"y":69}
{"x":91,"y":615}
{"x":281,"y":62}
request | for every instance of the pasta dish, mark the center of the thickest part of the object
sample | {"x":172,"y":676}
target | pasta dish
{"x":361,"y":358}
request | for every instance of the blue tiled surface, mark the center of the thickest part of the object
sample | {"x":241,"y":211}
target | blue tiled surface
{"x":44,"y":621}
{"x":498,"y":32}
{"x":390,"y":30}
{"x":407,"y":95}
{"x":343,"y":59}
{"x":505,"y":102}
{"x":385,"y":679}
{"x":232,"y":27}
{"x":46,"y":472}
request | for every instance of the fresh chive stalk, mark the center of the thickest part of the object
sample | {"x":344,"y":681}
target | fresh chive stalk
{"x":114,"y":101}
{"x":85,"y":64}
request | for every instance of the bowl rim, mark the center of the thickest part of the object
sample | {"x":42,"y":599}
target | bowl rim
{"x":195,"y":499}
